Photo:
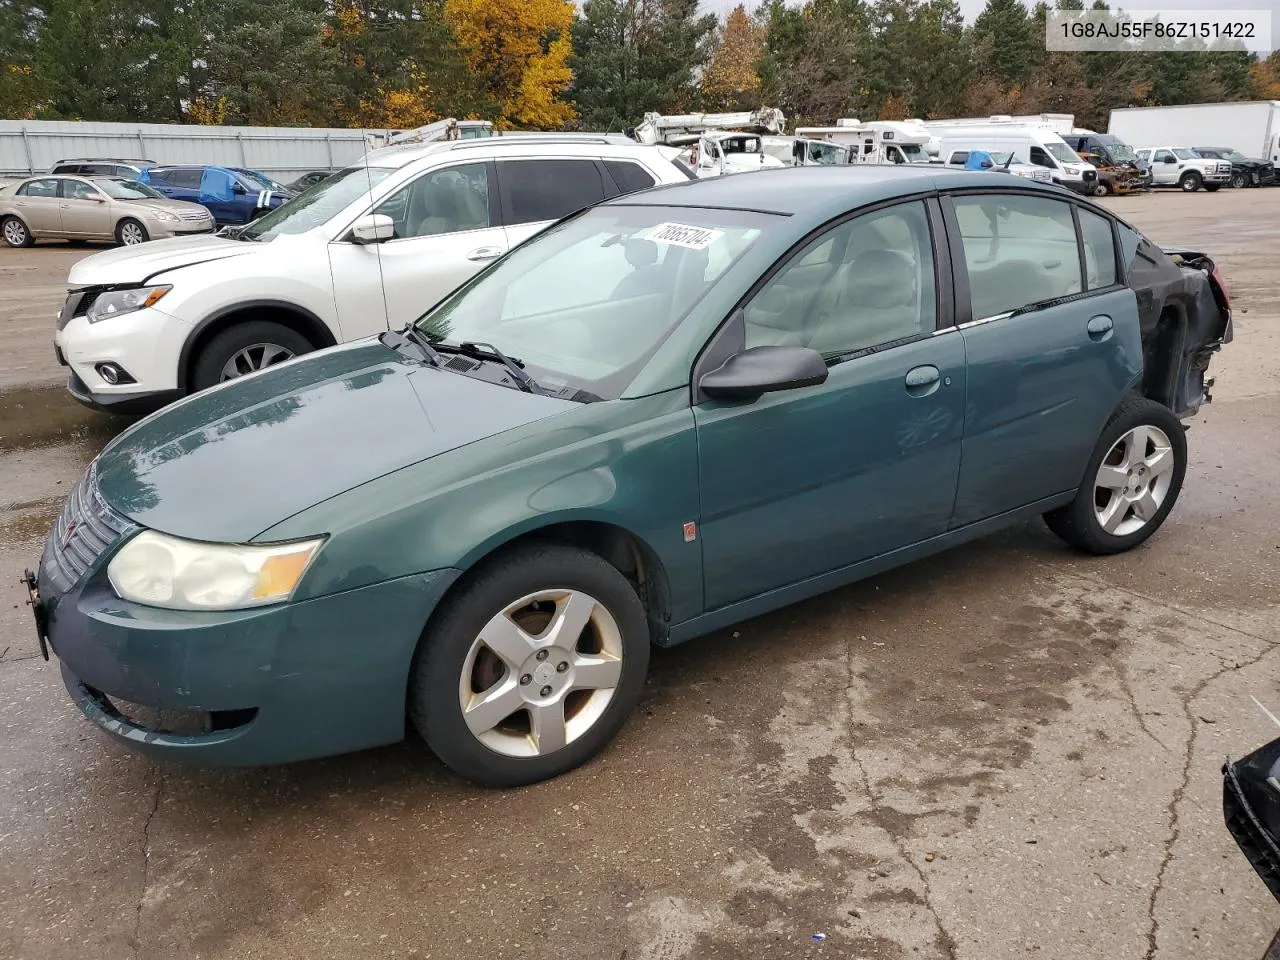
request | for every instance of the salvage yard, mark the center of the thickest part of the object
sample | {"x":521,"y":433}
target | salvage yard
{"x":1008,"y":750}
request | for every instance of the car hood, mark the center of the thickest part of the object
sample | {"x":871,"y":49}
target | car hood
{"x":173,"y":206}
{"x":228,"y":463}
{"x":136,"y":263}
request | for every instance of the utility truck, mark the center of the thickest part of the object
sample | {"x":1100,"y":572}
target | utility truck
{"x":718,"y":143}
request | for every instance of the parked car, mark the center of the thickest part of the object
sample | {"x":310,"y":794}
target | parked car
{"x":631,"y":430}
{"x":998,"y":162}
{"x":310,"y":180}
{"x":102,"y":167}
{"x":94,"y":208}
{"x":1117,"y":180}
{"x":1245,"y":172}
{"x":1111,"y":150}
{"x":232,"y":196}
{"x":366,"y":250}
{"x":1181,"y":167}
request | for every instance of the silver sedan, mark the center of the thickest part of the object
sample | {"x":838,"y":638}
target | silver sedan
{"x":94,"y":208}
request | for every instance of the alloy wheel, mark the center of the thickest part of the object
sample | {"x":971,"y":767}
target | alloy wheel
{"x":256,"y":357}
{"x":1133,"y":480}
{"x":541,"y":673}
{"x":15,"y":234}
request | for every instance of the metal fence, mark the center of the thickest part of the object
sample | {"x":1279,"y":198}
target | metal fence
{"x":33,"y":146}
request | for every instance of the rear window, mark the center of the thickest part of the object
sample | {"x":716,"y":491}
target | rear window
{"x":68,"y":168}
{"x":629,"y":177}
{"x":535,"y":190}
{"x":184,"y":177}
{"x":39,"y":188}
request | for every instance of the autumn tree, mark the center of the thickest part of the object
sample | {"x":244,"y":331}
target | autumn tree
{"x":731,"y":81}
{"x":518,"y":53}
{"x":1266,"y":77}
{"x":20,"y":93}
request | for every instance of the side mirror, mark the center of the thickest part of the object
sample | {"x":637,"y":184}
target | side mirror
{"x":238,"y":188}
{"x":760,"y":370}
{"x":373,"y":228}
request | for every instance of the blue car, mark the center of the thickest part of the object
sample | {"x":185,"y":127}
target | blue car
{"x":233,"y":196}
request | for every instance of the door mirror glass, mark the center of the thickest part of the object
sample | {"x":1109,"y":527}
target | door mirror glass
{"x":373,"y":228}
{"x":760,"y":370}
{"x":238,"y":188}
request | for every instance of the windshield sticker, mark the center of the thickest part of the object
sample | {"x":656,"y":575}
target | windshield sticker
{"x":682,"y":235}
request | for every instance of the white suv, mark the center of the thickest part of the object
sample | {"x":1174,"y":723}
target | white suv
{"x":367,"y":250}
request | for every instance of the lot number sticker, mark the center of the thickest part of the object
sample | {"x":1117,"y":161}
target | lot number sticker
{"x":682,"y":235}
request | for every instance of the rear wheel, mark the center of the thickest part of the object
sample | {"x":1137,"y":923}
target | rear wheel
{"x":1132,"y":482}
{"x":246,"y":348}
{"x":1190,"y":181}
{"x":15,"y":232}
{"x":130,"y":233}
{"x":532,"y":668}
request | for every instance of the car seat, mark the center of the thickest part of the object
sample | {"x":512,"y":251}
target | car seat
{"x":874,"y":299}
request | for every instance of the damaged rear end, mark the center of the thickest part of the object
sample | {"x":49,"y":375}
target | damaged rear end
{"x":1185,"y":313}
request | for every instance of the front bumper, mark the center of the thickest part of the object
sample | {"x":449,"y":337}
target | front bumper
{"x":163,"y":231}
{"x":246,"y":687}
{"x":146,"y":344}
{"x":134,"y":404}
{"x":1251,"y":808}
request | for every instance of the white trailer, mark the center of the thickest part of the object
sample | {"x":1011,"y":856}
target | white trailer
{"x":1252,"y":127}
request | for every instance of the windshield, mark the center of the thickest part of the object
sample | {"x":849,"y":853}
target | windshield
{"x":316,"y":206}
{"x":915,"y":153}
{"x":127,"y":190}
{"x":1120,"y":151}
{"x":1062,"y":153}
{"x":1233,"y":155}
{"x":262,"y":179}
{"x":1182,"y":153}
{"x":589,"y":300}
{"x":1000,"y":158}
{"x":831,"y":154}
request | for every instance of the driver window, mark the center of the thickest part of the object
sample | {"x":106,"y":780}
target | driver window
{"x":79,"y":190}
{"x":1040,"y":157}
{"x":866,"y":282}
{"x":1164,"y":156}
{"x":444,"y":201}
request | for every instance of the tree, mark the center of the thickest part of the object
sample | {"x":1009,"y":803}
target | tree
{"x":1266,"y":77}
{"x":1005,"y":42}
{"x":20,"y":92}
{"x":519,"y":54}
{"x":919,"y":58}
{"x":828,"y":77}
{"x":732,"y":81}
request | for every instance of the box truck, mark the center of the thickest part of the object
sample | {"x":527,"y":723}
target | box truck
{"x":1253,"y":128}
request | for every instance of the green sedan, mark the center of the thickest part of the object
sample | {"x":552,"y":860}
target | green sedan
{"x":660,"y":416}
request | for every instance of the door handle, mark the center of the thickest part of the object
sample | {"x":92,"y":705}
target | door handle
{"x":64,"y":206}
{"x":1100,"y":327}
{"x":485,"y":253}
{"x":923,"y":380}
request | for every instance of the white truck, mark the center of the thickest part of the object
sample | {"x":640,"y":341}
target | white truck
{"x":1253,"y":127}
{"x":718,"y":143}
{"x":1185,"y":169}
{"x":1037,"y":145}
{"x":875,"y":141}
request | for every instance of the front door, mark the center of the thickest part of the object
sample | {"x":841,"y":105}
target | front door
{"x":805,"y":481}
{"x":446,"y":231}
{"x":1165,"y":167}
{"x":86,"y":212}
{"x":38,"y":204}
{"x":224,"y":196}
{"x":1050,"y":353}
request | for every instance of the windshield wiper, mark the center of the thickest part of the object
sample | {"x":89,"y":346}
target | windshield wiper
{"x":398,"y":340}
{"x":487,"y":351}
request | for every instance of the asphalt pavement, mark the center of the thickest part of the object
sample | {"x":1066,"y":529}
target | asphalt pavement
{"x":1006,"y":751}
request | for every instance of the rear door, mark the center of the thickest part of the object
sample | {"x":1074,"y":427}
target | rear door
{"x":1052,"y":341}
{"x":38,"y":204}
{"x":446,"y":231}
{"x":538,"y":192}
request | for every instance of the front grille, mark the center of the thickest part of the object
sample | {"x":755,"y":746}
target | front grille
{"x":71,"y":307}
{"x":1090,"y":175}
{"x":193,"y":217}
{"x":85,"y":529}
{"x":1251,"y":836}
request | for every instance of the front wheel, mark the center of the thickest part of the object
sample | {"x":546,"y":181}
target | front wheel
{"x":246,"y":348}
{"x":1239,"y":180}
{"x":532,"y":667}
{"x":1100,"y":189}
{"x":130,"y":233}
{"x":1131,"y":483}
{"x":1190,"y":182}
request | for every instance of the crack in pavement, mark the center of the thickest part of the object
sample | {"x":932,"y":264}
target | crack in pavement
{"x":948,"y":942}
{"x":1172,"y":810}
{"x":1123,"y":679}
{"x":146,"y":863}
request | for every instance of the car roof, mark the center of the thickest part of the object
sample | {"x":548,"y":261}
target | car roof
{"x":803,"y":190}
{"x":587,"y":144}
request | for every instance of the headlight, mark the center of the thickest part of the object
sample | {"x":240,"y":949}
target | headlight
{"x":115,"y":302}
{"x":165,"y":215}
{"x":163,"y":571}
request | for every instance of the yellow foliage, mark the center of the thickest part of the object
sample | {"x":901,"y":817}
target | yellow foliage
{"x":1266,"y":74}
{"x":731,"y":80}
{"x":895,"y":108}
{"x":519,"y":49}
{"x":206,"y":113}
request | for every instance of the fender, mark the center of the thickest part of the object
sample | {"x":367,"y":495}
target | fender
{"x":184,"y":358}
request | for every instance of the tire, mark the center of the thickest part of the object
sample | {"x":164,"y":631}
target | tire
{"x":1079,"y":523}
{"x":15,"y":232}
{"x":130,"y":233}
{"x":1213,"y":187}
{"x":1239,"y":181}
{"x":253,"y":345}
{"x":1101,"y":189}
{"x":1190,"y":181}
{"x":451,"y":654}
